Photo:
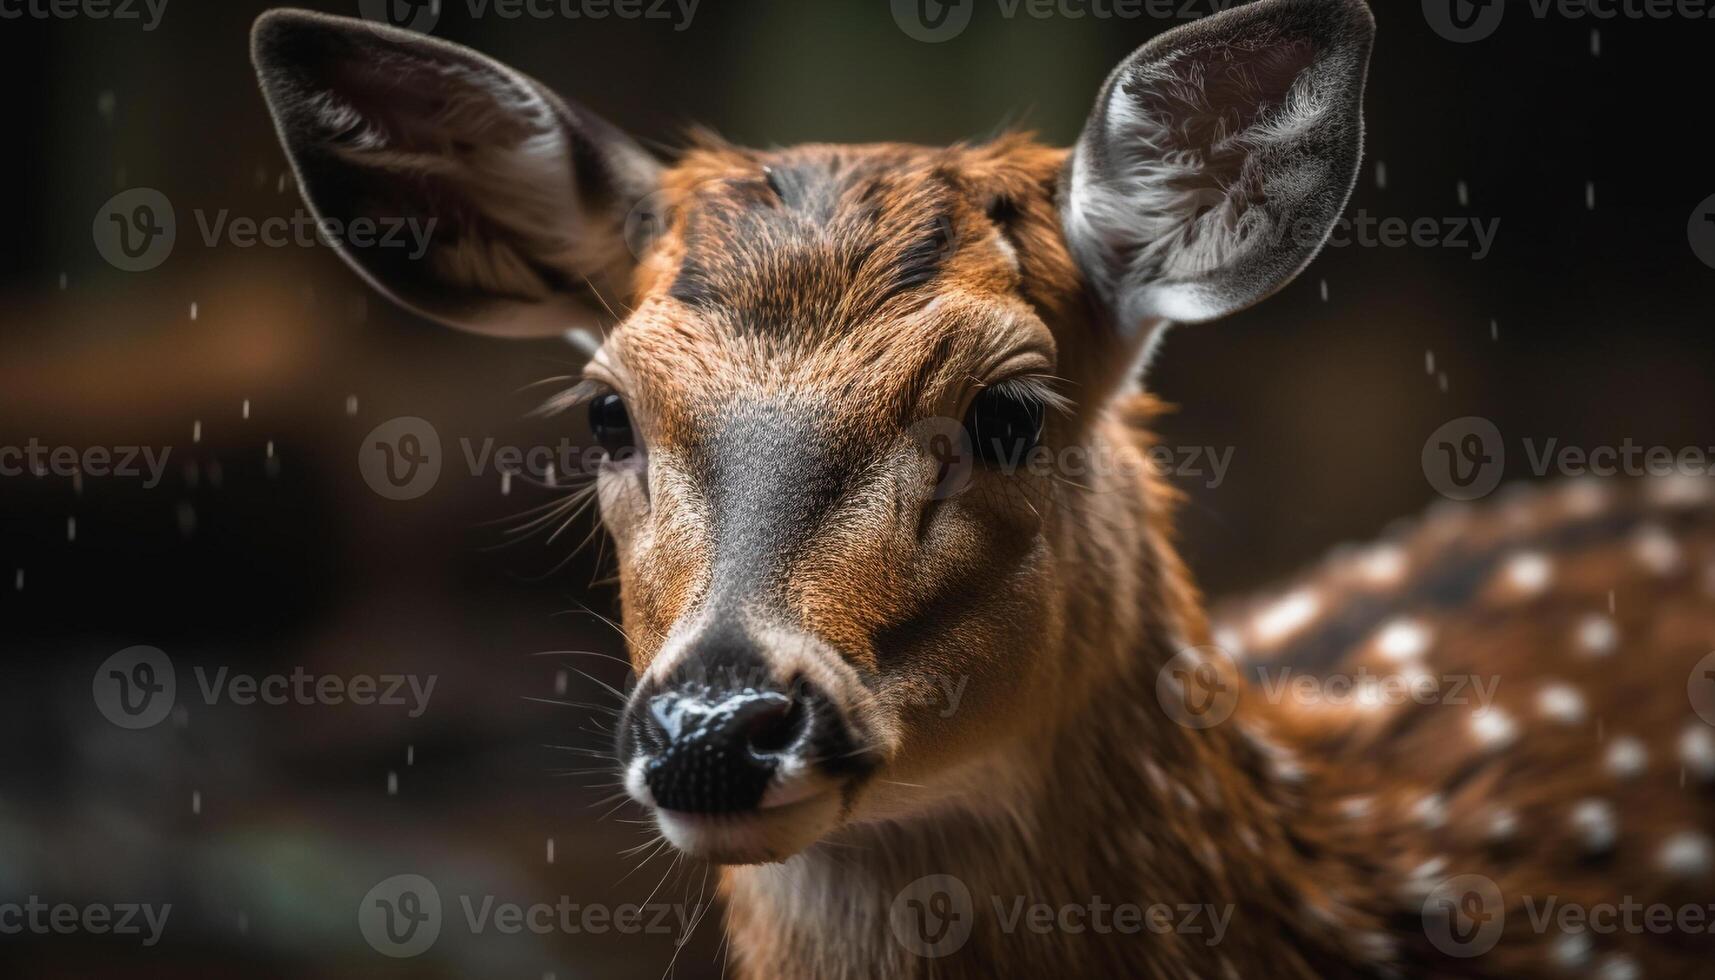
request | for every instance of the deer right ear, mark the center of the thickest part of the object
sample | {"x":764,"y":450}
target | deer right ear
{"x":1218,"y":158}
{"x":517,"y":201}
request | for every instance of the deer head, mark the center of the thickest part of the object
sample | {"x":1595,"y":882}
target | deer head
{"x":816,"y":369}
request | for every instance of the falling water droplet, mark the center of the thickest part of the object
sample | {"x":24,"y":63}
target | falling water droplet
{"x":18,"y":580}
{"x":548,"y":475}
{"x":196,"y":802}
{"x":1324,"y":290}
{"x":1381,"y":175}
{"x":1494,"y":329}
{"x":270,"y":449}
{"x":351,"y":404}
{"x":1590,"y":195}
{"x":392,"y":784}
{"x":105,"y":103}
{"x":196,"y":431}
{"x":1595,"y":42}
{"x":561,"y":682}
{"x":193,"y":311}
{"x":1441,"y":379}
{"x":1428,"y":362}
{"x":63,"y":281}
{"x":187,"y":519}
{"x":550,"y":850}
{"x":410,"y":755}
{"x":1464,"y":194}
{"x":505,"y":483}
{"x":246,"y":411}
{"x":71,"y":529}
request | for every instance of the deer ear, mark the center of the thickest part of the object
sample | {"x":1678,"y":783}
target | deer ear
{"x":1217,"y":159}
{"x":516,"y":201}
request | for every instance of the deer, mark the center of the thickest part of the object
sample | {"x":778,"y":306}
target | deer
{"x":813,"y":370}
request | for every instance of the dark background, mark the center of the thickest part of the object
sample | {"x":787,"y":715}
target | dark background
{"x":259,"y":566}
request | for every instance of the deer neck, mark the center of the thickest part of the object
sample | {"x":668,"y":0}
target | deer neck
{"x":1107,"y":831}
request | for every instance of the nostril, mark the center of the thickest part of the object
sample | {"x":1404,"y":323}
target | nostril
{"x":773,"y":725}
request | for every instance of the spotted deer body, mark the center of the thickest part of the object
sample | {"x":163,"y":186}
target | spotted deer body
{"x":780,"y":359}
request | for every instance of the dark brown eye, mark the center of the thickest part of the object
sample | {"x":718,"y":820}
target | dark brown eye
{"x":1004,"y":425}
{"x":610,"y":423}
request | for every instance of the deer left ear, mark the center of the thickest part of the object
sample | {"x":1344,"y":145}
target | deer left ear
{"x":516,"y":200}
{"x":1217,"y":160}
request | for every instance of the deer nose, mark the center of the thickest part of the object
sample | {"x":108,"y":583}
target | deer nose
{"x":720,"y":750}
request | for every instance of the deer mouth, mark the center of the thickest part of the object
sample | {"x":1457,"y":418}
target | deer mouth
{"x":760,"y":836}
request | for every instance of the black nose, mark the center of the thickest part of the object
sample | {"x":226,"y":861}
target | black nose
{"x":719,"y":749}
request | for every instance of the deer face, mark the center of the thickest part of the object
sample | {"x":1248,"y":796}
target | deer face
{"x":837,"y":574}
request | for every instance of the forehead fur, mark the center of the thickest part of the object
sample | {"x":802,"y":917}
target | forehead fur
{"x":779,"y":258}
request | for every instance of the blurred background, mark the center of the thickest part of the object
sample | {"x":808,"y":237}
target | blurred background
{"x":257,"y":371}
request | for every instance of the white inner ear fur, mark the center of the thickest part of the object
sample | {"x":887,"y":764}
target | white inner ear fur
{"x":1159,"y":206}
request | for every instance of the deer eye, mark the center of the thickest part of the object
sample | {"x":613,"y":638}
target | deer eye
{"x":1004,"y":424}
{"x":610,"y":423}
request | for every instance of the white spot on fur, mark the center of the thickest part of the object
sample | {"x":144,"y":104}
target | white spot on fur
{"x":1618,"y":966}
{"x":1403,"y":639}
{"x":1286,"y":617}
{"x":1503,"y":825}
{"x":1561,"y":703}
{"x":1697,"y":752}
{"x":1494,"y":728}
{"x":1571,"y":951}
{"x":1358,"y":807}
{"x":1384,"y":565}
{"x":1596,"y":825}
{"x":1431,"y":811}
{"x":1687,"y":854}
{"x":1529,"y":573}
{"x":1627,"y":757}
{"x":1679,"y":490}
{"x":1656,"y":550}
{"x":1585,"y":498}
{"x":1597,"y":635}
